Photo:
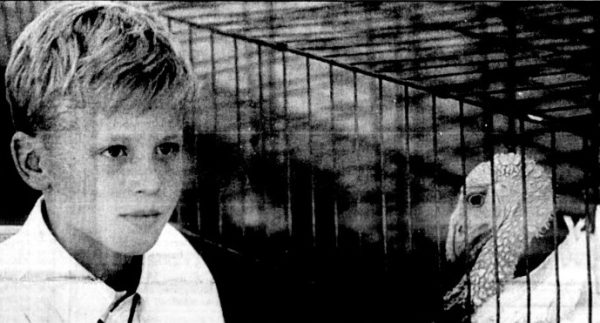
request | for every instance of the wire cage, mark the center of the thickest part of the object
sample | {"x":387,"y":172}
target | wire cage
{"x":328,"y":173}
{"x":344,"y":172}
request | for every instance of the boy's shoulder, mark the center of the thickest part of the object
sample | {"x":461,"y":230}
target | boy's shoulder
{"x":174,"y":251}
{"x":15,"y":253}
{"x":17,"y":292}
{"x":26,"y":254}
{"x":36,"y":281}
{"x":22,"y":257}
{"x":7,"y":231}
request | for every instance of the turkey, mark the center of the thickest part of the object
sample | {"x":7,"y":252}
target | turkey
{"x":476,"y":236}
{"x":574,"y":286}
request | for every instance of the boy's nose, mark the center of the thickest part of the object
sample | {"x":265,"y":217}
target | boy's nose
{"x":145,"y":178}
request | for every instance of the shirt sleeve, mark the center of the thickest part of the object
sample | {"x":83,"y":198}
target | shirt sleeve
{"x":22,"y":305}
{"x":185,"y":290}
{"x":205,"y":293}
{"x":13,"y":316}
{"x":212,"y":304}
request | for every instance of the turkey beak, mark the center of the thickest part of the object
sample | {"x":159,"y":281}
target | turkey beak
{"x":454,"y":243}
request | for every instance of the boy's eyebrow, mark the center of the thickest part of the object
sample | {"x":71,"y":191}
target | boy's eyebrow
{"x":126,"y":138}
{"x":173,"y":137}
{"x":117,"y":138}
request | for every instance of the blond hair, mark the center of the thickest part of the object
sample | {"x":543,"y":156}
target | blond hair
{"x":76,"y":53}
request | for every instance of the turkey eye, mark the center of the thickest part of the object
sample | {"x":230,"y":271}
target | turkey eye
{"x":476,"y":199}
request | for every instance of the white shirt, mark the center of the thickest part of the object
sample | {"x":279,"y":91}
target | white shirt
{"x":41,"y":282}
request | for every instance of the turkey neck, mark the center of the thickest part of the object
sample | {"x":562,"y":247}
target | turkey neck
{"x":511,"y":246}
{"x":482,"y":277}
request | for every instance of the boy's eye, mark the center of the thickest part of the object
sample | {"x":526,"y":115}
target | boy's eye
{"x":168,"y":149}
{"x":115,"y":151}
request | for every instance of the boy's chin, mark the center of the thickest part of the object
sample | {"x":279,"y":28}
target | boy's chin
{"x":135,"y":250}
{"x":136,"y":247}
{"x":134,"y":240}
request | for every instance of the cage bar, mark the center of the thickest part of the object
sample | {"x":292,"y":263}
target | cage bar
{"x":381,"y":166}
{"x":237,"y":94}
{"x":490,"y":131}
{"x":525,"y":213}
{"x":436,"y":215}
{"x":191,"y":45}
{"x":463,"y":167}
{"x":434,"y":130}
{"x":355,"y":151}
{"x":213,"y":86}
{"x":407,"y":172}
{"x":194,"y":150}
{"x":213,"y":83}
{"x":313,"y":215}
{"x":262,"y":129}
{"x":261,"y":98}
{"x":553,"y":158}
{"x":272,"y":90}
{"x":288,"y":185}
{"x":240,"y":146}
{"x":334,"y":166}
{"x":588,"y":229}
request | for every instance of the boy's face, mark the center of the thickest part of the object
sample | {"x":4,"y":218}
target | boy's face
{"x":115,"y":179}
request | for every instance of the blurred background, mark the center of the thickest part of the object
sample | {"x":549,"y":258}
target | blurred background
{"x":335,"y":137}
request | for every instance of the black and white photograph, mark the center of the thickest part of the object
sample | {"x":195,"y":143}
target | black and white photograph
{"x":300,"y":162}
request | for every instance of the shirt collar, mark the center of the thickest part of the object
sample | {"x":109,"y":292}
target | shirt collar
{"x":47,"y":262}
{"x":52,"y":261}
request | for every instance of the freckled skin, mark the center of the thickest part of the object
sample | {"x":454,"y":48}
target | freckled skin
{"x":509,"y":222}
{"x":103,"y":167}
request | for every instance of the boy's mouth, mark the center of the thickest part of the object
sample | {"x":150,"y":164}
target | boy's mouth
{"x":142,"y":214}
{"x":143,"y":219}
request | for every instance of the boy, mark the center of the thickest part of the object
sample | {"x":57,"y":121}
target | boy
{"x":99,"y":98}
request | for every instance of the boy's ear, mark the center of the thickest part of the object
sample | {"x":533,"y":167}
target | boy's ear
{"x":27,"y":153}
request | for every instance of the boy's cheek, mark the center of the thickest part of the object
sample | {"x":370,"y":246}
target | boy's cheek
{"x":68,"y":177}
{"x":172,"y":186}
{"x":171,"y":173}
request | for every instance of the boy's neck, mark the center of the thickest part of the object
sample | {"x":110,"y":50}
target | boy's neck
{"x":120,"y":272}
{"x":120,"y":276}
